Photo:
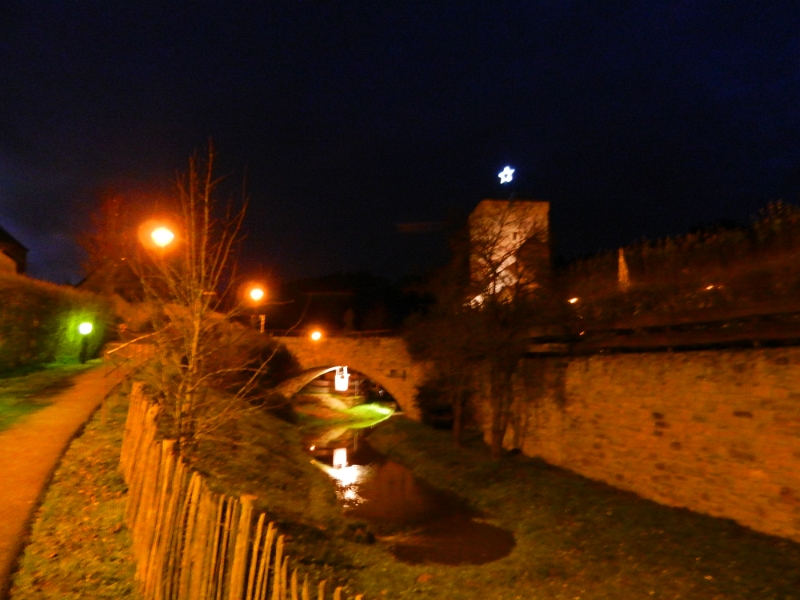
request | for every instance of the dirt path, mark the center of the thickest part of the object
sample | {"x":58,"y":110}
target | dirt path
{"x":29,"y":451}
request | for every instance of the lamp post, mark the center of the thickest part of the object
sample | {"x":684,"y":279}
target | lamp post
{"x":257,"y":294}
{"x":84,"y":329}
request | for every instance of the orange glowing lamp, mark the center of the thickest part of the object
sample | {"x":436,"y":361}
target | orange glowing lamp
{"x":162,"y":237}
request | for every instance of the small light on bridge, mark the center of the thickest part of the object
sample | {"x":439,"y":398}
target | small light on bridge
{"x":316,"y":335}
{"x":340,"y":458}
{"x":572,"y":300}
{"x":341,"y":380}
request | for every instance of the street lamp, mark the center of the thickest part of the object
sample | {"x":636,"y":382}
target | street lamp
{"x":256,"y":294}
{"x":84,"y":329}
{"x":162,"y":236}
{"x":316,"y":335}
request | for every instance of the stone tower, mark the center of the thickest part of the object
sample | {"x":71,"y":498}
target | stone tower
{"x":509,"y":245}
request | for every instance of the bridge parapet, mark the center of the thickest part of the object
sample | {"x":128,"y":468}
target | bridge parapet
{"x":385,"y":360}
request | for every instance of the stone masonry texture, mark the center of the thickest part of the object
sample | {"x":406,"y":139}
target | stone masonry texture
{"x":717,"y":432}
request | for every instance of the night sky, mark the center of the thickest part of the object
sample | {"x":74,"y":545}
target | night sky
{"x":633,"y":118}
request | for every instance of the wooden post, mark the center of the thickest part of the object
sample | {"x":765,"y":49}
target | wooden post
{"x":172,"y":542}
{"x":254,"y":558}
{"x":223,"y":550}
{"x":165,"y":480}
{"x":239,"y":564}
{"x":200,"y":543}
{"x":276,"y":571}
{"x":190,"y":520}
{"x":207,"y":578}
{"x":263,"y":569}
{"x":145,"y":519}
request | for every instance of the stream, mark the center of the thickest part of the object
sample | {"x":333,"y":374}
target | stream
{"x":420,"y":523}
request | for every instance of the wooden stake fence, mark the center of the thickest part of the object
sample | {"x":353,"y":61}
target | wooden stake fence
{"x":190,"y":543}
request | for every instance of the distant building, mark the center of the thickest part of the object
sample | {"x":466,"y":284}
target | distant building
{"x":13,"y":255}
{"x":509,"y":245}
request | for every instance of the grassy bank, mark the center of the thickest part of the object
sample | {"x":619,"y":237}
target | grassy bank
{"x":580,"y":539}
{"x":79,"y":547}
{"x":574,"y":538}
{"x":28,"y":389}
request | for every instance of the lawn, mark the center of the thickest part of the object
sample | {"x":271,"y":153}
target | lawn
{"x":581,"y":539}
{"x":25,"y":390}
{"x":575,"y":538}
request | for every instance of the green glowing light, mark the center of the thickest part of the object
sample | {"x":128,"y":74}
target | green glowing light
{"x":85,"y":328}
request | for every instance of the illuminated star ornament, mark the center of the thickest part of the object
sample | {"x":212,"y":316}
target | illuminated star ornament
{"x":506,"y":175}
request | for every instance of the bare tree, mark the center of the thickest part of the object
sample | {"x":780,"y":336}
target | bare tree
{"x":495,"y":291}
{"x":205,"y":367}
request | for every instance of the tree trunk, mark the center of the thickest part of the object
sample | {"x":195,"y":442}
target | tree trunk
{"x":458,"y":416}
{"x":501,"y":390}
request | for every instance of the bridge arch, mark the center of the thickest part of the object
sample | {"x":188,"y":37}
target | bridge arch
{"x":384,"y":360}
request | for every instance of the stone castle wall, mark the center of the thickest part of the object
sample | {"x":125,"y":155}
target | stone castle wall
{"x":717,"y":432}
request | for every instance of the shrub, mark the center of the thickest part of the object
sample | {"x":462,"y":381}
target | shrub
{"x":39,"y":322}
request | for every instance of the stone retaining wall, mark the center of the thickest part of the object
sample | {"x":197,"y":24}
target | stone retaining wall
{"x":717,"y":432}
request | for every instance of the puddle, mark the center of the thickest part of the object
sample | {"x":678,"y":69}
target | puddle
{"x":437,"y":526}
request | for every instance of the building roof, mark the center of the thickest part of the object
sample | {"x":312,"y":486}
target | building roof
{"x":7,"y":238}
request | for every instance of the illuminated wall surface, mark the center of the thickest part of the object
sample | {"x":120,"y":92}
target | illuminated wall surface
{"x":717,"y":432}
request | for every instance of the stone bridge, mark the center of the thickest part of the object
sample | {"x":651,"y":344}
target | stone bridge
{"x":384,"y":360}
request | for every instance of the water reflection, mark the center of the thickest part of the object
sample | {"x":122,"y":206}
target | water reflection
{"x":422,"y":523}
{"x":347,"y":483}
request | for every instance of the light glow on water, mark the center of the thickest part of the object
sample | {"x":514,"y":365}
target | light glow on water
{"x":348,"y":480}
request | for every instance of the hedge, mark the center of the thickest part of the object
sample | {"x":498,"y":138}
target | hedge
{"x":39,"y":322}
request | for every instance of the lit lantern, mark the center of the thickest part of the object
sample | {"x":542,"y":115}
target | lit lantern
{"x":256,"y":294}
{"x":340,"y":382}
{"x":316,"y":335}
{"x":85,"y":328}
{"x":162,"y":237}
{"x":340,"y":458}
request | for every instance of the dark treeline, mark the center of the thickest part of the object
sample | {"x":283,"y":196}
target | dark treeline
{"x":341,"y":303}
